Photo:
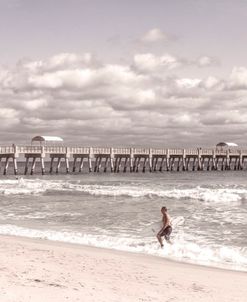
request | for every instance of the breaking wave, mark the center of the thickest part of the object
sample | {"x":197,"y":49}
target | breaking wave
{"x":225,"y":193}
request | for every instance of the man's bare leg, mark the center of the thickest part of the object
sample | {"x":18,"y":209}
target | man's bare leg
{"x":160,"y":240}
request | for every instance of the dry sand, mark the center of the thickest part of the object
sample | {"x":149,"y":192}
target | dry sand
{"x":36,"y":270}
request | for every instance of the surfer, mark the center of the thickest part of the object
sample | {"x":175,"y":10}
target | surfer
{"x":166,"y":229}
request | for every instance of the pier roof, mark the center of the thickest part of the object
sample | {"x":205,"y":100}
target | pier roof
{"x":47,"y":139}
{"x":225,"y":144}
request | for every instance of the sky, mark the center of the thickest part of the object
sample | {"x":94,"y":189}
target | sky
{"x":152,"y":73}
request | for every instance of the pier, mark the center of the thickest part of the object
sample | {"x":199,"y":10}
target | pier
{"x":115,"y":160}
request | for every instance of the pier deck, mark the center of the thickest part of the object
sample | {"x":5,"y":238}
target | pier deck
{"x":122,"y":159}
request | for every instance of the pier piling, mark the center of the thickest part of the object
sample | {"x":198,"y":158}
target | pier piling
{"x":150,"y":161}
{"x":58,"y":164}
{"x":67,"y":164}
{"x":125,"y":164}
{"x":51,"y":165}
{"x":81,"y":165}
{"x":42,"y":165}
{"x":6,"y":166}
{"x":15,"y":165}
{"x":74,"y":164}
{"x":26,"y":165}
{"x":33,"y":165}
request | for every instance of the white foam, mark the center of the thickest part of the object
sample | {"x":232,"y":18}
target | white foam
{"x":211,"y":194}
{"x":24,"y":186}
{"x":181,"y":249}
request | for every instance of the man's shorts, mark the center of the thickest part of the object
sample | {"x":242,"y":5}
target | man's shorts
{"x":166,"y":232}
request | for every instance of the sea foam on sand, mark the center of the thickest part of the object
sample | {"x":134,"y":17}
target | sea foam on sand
{"x":39,"y":270}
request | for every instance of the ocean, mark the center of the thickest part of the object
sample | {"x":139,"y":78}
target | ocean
{"x":122,"y":211}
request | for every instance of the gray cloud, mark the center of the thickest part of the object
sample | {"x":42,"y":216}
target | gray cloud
{"x":89,"y":102}
{"x":238,"y":79}
{"x":154,"y":35}
{"x":206,"y":61}
{"x":150,"y":63}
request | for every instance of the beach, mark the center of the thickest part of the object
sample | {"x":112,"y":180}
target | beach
{"x":123,"y":151}
{"x":41,"y":270}
{"x":90,"y":238}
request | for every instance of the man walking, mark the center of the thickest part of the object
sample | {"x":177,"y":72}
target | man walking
{"x":166,"y":229}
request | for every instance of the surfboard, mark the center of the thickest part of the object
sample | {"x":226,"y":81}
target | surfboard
{"x":177,"y":221}
{"x":155,"y":227}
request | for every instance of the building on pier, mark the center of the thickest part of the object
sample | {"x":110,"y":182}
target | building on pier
{"x":225,"y":145}
{"x":44,"y":140}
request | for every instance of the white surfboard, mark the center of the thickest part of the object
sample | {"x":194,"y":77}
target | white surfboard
{"x":177,"y":221}
{"x":155,"y":227}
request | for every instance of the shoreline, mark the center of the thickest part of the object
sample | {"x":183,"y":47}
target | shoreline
{"x":220,"y":266}
{"x":38,"y":269}
{"x":79,"y":246}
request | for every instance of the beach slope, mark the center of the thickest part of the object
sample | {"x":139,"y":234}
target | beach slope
{"x":39,"y":270}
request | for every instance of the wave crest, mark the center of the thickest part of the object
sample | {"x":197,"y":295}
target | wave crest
{"x":134,"y":190}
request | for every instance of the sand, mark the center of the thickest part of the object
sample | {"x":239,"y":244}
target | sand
{"x":40,"y":270}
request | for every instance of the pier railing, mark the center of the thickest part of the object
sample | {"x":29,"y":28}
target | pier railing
{"x":6,"y":150}
{"x":125,"y":151}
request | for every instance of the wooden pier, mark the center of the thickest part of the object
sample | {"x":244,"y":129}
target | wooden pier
{"x":115,"y":160}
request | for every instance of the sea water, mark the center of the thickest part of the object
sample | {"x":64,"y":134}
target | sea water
{"x":118,"y":211}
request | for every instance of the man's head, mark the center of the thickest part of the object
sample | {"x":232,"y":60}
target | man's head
{"x":163,"y":210}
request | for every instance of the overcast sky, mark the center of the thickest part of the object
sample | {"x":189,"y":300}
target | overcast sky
{"x":130,"y":72}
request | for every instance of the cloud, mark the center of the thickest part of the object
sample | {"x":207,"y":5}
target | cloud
{"x":149,"y":62}
{"x":35,"y":104}
{"x":238,"y":78}
{"x":206,"y":61}
{"x":154,"y":35}
{"x":188,"y":83}
{"x":8,"y":113}
{"x":211,"y":82}
{"x":61,"y":60}
{"x":90,"y":102}
{"x":9,"y":118}
{"x":231,"y":117}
